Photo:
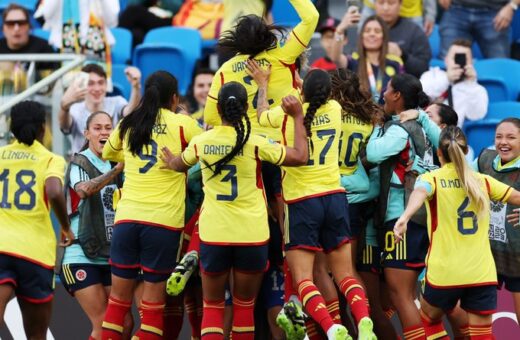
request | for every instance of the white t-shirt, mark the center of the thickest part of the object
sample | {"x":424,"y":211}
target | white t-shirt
{"x":112,"y":105}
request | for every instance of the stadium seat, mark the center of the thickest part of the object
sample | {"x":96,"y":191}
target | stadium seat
{"x":437,"y":63}
{"x":284,"y":14}
{"x":475,"y":51}
{"x":435,"y":42}
{"x":29,"y":4}
{"x":122,"y":5}
{"x":122,"y":49}
{"x":501,"y":110}
{"x":500,"y":78}
{"x":119,"y":81}
{"x":41,"y":33}
{"x":481,"y":133}
{"x":174,"y":49}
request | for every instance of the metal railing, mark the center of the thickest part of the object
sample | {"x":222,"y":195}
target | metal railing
{"x":72,"y":61}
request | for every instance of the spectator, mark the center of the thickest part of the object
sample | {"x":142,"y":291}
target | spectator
{"x":371,"y":62}
{"x":17,"y":38}
{"x":142,"y":16}
{"x":407,"y":40}
{"x":443,"y":115}
{"x":81,"y":100}
{"x":326,"y":41}
{"x":457,"y":86}
{"x":201,"y":85}
{"x":423,"y":12}
{"x":487,"y":22}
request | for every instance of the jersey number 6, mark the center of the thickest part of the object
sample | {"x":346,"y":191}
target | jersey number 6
{"x":463,"y":214}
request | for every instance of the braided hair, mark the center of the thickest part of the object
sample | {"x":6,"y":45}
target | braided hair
{"x":316,"y":90}
{"x":27,"y":120}
{"x":354,"y":100}
{"x":232,"y":104}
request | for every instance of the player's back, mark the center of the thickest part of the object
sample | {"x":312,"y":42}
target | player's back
{"x":354,"y":135}
{"x":25,"y":223}
{"x":151,"y":194}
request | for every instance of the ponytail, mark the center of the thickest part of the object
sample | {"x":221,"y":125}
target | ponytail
{"x":453,"y":145}
{"x":160,"y":87}
{"x":316,"y":90}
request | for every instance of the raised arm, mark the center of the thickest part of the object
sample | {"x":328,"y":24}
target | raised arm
{"x":133,"y":76}
{"x":261,"y":77}
{"x":299,"y":154}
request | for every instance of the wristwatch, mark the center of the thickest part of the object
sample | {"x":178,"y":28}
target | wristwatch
{"x":513,"y":5}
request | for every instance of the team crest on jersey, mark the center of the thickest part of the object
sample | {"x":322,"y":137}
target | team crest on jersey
{"x":81,"y":275}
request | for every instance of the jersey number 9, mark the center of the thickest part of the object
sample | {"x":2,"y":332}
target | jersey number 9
{"x":26,"y":179}
{"x":151,"y":157}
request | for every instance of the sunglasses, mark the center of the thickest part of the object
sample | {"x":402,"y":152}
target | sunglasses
{"x":12,"y":23}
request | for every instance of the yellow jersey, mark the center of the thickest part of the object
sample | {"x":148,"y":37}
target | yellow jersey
{"x":281,"y":57}
{"x":25,"y":223}
{"x":234,"y":9}
{"x":152,"y":195}
{"x":409,"y":8}
{"x":321,"y":174}
{"x":460,"y":252}
{"x":354,"y":135}
{"x":234,"y":210}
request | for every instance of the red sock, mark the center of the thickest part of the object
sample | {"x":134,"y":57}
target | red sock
{"x":243,"y":319}
{"x":463,"y":333}
{"x":434,"y":330}
{"x":311,"y":328}
{"x":481,"y":332}
{"x":414,"y":333}
{"x":173,"y":317}
{"x":152,"y":321}
{"x":314,"y":304}
{"x":193,"y":317}
{"x":356,"y":298}
{"x":389,"y":313}
{"x":213,"y":320}
{"x":333,"y":308}
{"x":114,"y":319}
{"x":289,"y":287}
{"x":195,"y":239}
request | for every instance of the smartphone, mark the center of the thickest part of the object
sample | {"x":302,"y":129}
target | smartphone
{"x":353,"y":6}
{"x":82,"y":79}
{"x":460,"y":59}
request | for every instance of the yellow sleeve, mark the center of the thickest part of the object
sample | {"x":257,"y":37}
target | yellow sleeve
{"x":272,"y":118}
{"x":211,"y":116}
{"x":56,"y":168}
{"x":190,"y":155}
{"x":291,"y":46}
{"x":270,"y":151}
{"x":498,"y":191}
{"x":113,"y":149}
{"x":426,"y":181}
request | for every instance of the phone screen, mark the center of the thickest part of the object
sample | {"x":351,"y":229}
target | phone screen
{"x":460,"y":59}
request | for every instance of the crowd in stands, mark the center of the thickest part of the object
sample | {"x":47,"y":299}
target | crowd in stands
{"x":412,"y":77}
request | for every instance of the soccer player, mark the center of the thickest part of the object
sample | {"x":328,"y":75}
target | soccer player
{"x":503,"y":164}
{"x":316,"y":212}
{"x":150,"y":215}
{"x":233,"y":227}
{"x":91,"y":182}
{"x":457,"y":202}
{"x":31,"y":181}
{"x":393,"y":149}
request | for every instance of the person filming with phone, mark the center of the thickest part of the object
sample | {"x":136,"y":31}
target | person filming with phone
{"x":457,"y":86}
{"x":88,"y":94}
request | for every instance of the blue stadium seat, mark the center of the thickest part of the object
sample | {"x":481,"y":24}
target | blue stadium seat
{"x":29,"y":4}
{"x":119,"y":81}
{"x":437,"y":63}
{"x":174,"y":49}
{"x":435,"y":42}
{"x":481,"y":133}
{"x":41,"y":33}
{"x":475,"y":51}
{"x":284,"y":14}
{"x":501,"y":110}
{"x":122,"y":49}
{"x":122,"y":5}
{"x":500,"y":78}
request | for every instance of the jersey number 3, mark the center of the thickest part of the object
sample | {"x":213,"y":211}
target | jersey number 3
{"x":231,"y":177}
{"x":26,"y":179}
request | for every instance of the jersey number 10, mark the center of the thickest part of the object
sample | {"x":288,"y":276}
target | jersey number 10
{"x":26,"y":179}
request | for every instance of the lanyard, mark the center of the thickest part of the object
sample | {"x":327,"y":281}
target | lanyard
{"x":375,"y":85}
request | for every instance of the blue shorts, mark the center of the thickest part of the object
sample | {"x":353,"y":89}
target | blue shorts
{"x":317,"y":223}
{"x":369,"y":260}
{"x":410,"y":253}
{"x":78,"y":276}
{"x":31,"y":282}
{"x":477,"y":300}
{"x":512,"y":284}
{"x":272,"y":290}
{"x":272,"y":178}
{"x":219,"y":259}
{"x":358,"y":218}
{"x":137,"y":246}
